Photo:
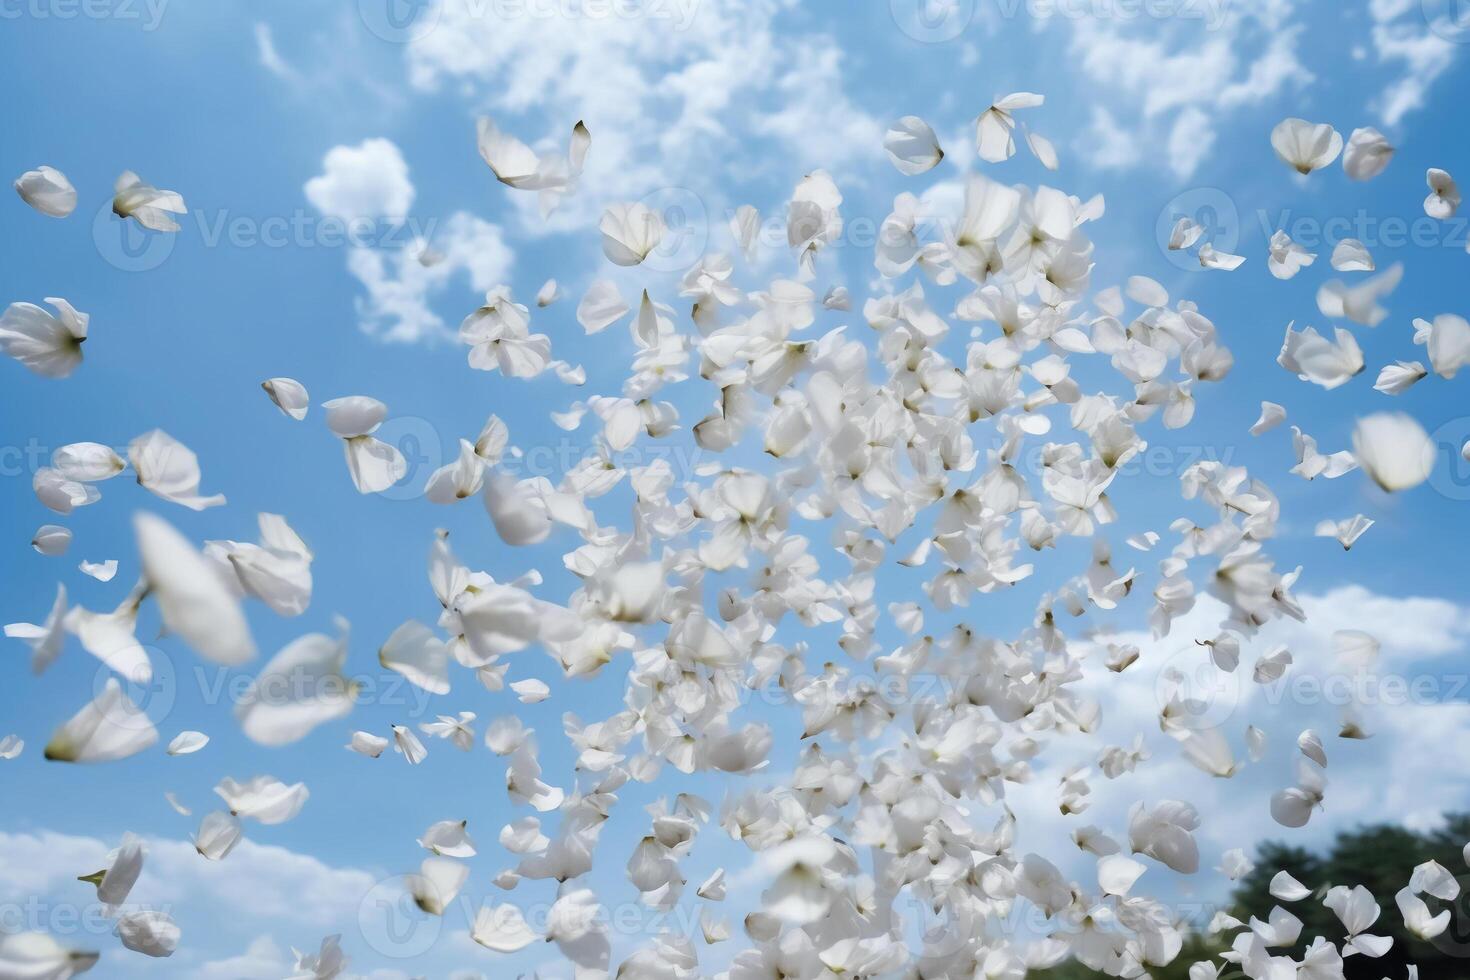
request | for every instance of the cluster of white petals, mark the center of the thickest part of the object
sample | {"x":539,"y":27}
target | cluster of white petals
{"x":982,"y":436}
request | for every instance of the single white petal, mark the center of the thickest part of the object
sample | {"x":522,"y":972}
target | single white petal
{"x":102,"y":571}
{"x":1116,"y":874}
{"x":630,"y":232}
{"x":187,"y":743}
{"x":1394,"y":450}
{"x":300,"y":688}
{"x":1444,"y":195}
{"x":51,"y":540}
{"x":520,"y":517}
{"x":191,"y":596}
{"x":1210,"y":258}
{"x":1272,"y":415}
{"x":218,"y":834}
{"x":365,"y":743}
{"x":374,"y":465}
{"x":48,"y":191}
{"x":448,"y":838}
{"x":912,"y":146}
{"x":1184,"y":234}
{"x":46,"y":639}
{"x":170,"y":469}
{"x":1351,"y":255}
{"x":48,"y":344}
{"x":149,"y":933}
{"x":263,"y":798}
{"x":109,"y":728}
{"x":354,"y":415}
{"x":1287,"y":889}
{"x":1368,"y":153}
{"x":1306,"y":146}
{"x":531,"y":691}
{"x":36,"y":956}
{"x":87,"y":462}
{"x":408,"y":745}
{"x":150,"y":207}
{"x":601,"y":306}
{"x":437,"y":883}
{"x":415,"y":652}
{"x":289,"y":395}
{"x":502,"y":929}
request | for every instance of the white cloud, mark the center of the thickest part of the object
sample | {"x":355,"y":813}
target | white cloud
{"x":279,"y":883}
{"x":1412,"y":784}
{"x":370,"y":183}
{"x":1397,"y":777}
{"x":400,"y":288}
{"x":1424,"y":54}
{"x":815,"y":118}
{"x":1180,"y":78}
{"x":1107,"y":145}
{"x":263,"y":960}
{"x":367,"y":182}
{"x":1271,"y":72}
{"x":33,"y":864}
{"x":270,"y":58}
{"x":259,"y":890}
{"x":669,"y":99}
{"x":1181,"y":90}
{"x":1190,"y":141}
{"x":1148,"y":71}
{"x":1409,"y":628}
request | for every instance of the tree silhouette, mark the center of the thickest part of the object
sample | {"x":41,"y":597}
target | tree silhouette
{"x":1379,"y":857}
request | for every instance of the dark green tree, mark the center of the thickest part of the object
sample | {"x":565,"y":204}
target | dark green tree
{"x":1380,"y":858}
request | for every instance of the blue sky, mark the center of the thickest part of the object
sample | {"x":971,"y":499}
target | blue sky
{"x":699,"y":106}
